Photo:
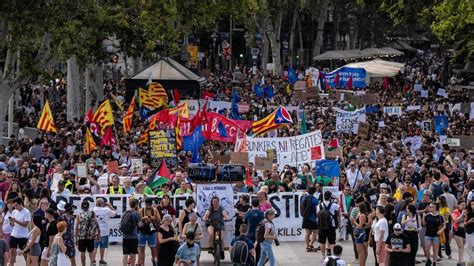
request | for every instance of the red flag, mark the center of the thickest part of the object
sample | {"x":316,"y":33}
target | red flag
{"x":206,"y":95}
{"x":248,"y":178}
{"x":164,"y":172}
{"x":108,"y":138}
{"x":336,"y":80}
{"x":405,"y":88}
{"x":349,"y":83}
{"x":385,"y":83}
{"x":316,"y":153}
{"x":176,"y":96}
{"x":89,"y":116}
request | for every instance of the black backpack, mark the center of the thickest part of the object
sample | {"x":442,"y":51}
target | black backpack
{"x":260,"y":235}
{"x":332,"y":261}
{"x":240,"y":251}
{"x":127,"y":223}
{"x":306,"y":207}
{"x":324,"y":216}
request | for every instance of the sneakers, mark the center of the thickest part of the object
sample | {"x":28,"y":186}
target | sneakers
{"x":428,"y":262}
{"x":102,"y":263}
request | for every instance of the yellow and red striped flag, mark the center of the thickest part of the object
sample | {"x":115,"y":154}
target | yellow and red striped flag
{"x":127,"y":118}
{"x":181,"y":110}
{"x":103,"y":116}
{"x":90,"y":145}
{"x":158,"y":96}
{"x":46,"y":121}
{"x":179,"y":137}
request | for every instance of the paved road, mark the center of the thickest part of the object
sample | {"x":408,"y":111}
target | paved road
{"x":287,"y":254}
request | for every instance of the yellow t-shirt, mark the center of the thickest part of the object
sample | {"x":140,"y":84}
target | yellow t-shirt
{"x":445,"y":212}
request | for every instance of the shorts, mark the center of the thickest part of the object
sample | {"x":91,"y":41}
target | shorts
{"x":359,"y":235}
{"x":143,"y":239}
{"x":35,"y":250}
{"x":130,"y":246}
{"x":18,"y":242}
{"x":460,"y":232}
{"x":44,"y":254}
{"x":434,"y":239}
{"x":310,"y":225}
{"x":85,"y":244}
{"x":103,"y":243}
{"x":329,"y":235}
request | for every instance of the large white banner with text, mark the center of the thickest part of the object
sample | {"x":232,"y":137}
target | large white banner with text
{"x":348,"y":121}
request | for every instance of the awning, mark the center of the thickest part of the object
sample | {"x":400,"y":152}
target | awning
{"x":378,"y":67}
{"x":356,"y":54}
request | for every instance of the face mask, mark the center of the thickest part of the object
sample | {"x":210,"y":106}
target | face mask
{"x":190,"y":245}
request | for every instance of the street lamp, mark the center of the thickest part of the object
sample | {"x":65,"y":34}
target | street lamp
{"x":214,"y":39}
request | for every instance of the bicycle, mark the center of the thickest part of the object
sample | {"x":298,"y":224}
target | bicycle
{"x":218,"y":251}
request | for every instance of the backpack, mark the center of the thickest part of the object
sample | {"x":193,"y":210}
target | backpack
{"x":437,"y":190}
{"x":332,"y":261}
{"x":324,"y":216}
{"x":240,"y":251}
{"x":260,"y":235}
{"x":127,"y":223}
{"x":306,"y":207}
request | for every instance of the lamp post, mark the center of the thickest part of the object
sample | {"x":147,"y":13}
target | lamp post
{"x":214,"y":54}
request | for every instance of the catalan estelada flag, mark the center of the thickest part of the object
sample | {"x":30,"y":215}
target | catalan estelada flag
{"x":276,"y":119}
{"x":156,"y":98}
{"x":103,"y":116}
{"x":181,"y":110}
{"x":90,"y":145}
{"x":46,"y":121}
{"x":127,"y":118}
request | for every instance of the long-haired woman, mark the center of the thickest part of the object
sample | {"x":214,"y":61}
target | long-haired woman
{"x":359,"y":232}
{"x":411,"y":224}
{"x":458,"y":229}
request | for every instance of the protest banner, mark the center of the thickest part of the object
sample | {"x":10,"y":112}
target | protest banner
{"x":363,"y":131}
{"x":81,"y":170}
{"x":239,"y":158}
{"x":193,"y":106}
{"x":358,"y":77}
{"x":348,"y":121}
{"x":263,"y":163}
{"x":293,"y":151}
{"x":393,"y":110}
{"x":413,"y":108}
{"x":162,"y":146}
{"x":452,"y":142}
{"x":136,"y":167}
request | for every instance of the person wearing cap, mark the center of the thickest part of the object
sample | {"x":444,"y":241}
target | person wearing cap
{"x":188,"y":253}
{"x":150,"y":219}
{"x":398,"y":246}
{"x":115,"y":188}
{"x":68,"y":236}
{"x":86,"y":232}
{"x":51,"y":231}
{"x":61,"y":191}
{"x":103,"y":211}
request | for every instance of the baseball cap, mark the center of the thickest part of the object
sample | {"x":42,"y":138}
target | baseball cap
{"x":427,"y":192}
{"x":383,"y":185}
{"x":397,"y":226}
{"x":124,"y":165}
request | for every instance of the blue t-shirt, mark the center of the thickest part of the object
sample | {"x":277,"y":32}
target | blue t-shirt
{"x":243,"y":238}
{"x":315,"y":203}
{"x":253,"y":218}
{"x":191,"y":254}
{"x":134,"y":234}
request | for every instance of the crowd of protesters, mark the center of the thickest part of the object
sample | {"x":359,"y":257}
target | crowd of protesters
{"x":397,"y":200}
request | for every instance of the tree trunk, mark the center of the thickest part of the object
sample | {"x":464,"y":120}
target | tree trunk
{"x":273,"y":34}
{"x":318,"y":44}
{"x":73,"y":90}
{"x":137,"y":65}
{"x":291,"y":46}
{"x":93,"y":86}
{"x":300,"y":36}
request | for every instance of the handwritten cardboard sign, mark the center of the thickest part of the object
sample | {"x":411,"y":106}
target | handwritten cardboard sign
{"x":113,"y":167}
{"x":222,"y":159}
{"x":333,"y":154}
{"x":365,"y":145}
{"x":263,"y":163}
{"x":240,"y":158}
{"x":300,"y":85}
{"x":81,"y":170}
{"x":363,"y":130}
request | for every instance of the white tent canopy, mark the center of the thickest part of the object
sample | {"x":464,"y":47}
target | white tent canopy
{"x":168,"y":69}
{"x":356,"y":54}
{"x":378,"y":68}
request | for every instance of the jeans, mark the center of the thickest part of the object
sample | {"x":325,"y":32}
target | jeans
{"x":266,"y":251}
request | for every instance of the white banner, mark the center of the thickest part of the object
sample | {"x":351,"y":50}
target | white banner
{"x":293,"y":151}
{"x":286,"y":204}
{"x":393,"y":110}
{"x":348,"y":121}
{"x":193,"y":106}
{"x":205,"y":192}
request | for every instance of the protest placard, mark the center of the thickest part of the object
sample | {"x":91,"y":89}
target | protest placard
{"x":56,"y":178}
{"x":162,"y":146}
{"x":427,"y":125}
{"x":393,"y":110}
{"x":240,"y":158}
{"x":417,"y":87}
{"x":413,"y":108}
{"x":263,"y":163}
{"x":300,"y":85}
{"x":112,"y":167}
{"x":81,"y":170}
{"x":272,"y":154}
{"x":137,"y":167}
{"x":220,"y":158}
{"x":441,"y":92}
{"x":363,"y":131}
{"x":365,"y":145}
{"x":348,"y":121}
{"x":424,"y":94}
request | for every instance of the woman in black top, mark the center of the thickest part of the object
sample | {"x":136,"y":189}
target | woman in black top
{"x":168,"y":242}
{"x":469,"y":228}
{"x":184,"y":215}
{"x":434,"y":227}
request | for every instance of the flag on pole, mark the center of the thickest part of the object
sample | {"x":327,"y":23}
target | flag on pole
{"x":159,"y":177}
{"x":158,"y":97}
{"x":276,"y":119}
{"x":108,"y":138}
{"x":176,"y":96}
{"x":349,"y":83}
{"x":127,"y":118}
{"x":303,"y":127}
{"x":103,"y":116}
{"x":181,"y":110}
{"x":90,"y":145}
{"x":336,"y":80}
{"x":333,"y":144}
{"x":46,"y":121}
{"x":179,"y":137}
{"x":117,"y":101}
{"x":385,"y":83}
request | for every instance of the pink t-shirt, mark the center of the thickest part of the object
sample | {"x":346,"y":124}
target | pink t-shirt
{"x":264,"y":207}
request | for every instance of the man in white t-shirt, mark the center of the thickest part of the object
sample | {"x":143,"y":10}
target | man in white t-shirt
{"x":327,"y":232}
{"x":353,"y":175}
{"x":19,"y":221}
{"x":103,"y":213}
{"x":61,"y":192}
